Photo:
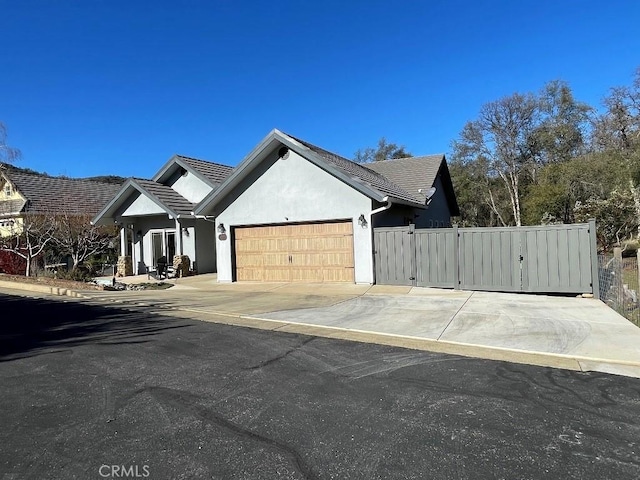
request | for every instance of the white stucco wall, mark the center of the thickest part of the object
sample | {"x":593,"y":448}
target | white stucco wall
{"x":296,"y":190}
{"x":142,"y":205}
{"x":191,"y":187}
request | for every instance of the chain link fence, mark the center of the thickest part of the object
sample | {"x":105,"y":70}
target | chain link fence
{"x":620,"y":285}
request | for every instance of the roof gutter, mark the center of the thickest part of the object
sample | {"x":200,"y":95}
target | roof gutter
{"x":388,"y":205}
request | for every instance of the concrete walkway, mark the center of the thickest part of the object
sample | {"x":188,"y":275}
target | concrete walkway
{"x":565,"y":332}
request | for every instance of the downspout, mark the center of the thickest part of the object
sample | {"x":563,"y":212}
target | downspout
{"x":382,"y":208}
{"x":371,"y":214}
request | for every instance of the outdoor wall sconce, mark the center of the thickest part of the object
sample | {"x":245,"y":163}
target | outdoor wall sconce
{"x":139,"y":234}
{"x":221,"y":229}
{"x":362,"y":221}
{"x":185,"y":230}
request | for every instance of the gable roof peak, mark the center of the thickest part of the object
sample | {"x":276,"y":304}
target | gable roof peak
{"x":211,"y":173}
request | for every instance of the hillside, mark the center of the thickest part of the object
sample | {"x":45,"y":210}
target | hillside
{"x":112,"y":179}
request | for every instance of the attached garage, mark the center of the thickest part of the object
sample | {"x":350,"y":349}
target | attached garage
{"x":294,"y":212}
{"x":307,"y":252}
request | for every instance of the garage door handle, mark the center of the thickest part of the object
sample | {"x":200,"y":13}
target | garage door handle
{"x":290,"y":260}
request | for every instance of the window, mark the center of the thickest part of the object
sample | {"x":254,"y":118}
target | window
{"x":7,"y":190}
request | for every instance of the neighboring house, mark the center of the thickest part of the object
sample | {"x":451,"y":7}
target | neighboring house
{"x":157,"y":220}
{"x":291,"y":211}
{"x":23,"y":194}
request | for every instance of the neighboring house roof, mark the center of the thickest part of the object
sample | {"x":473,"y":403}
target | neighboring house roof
{"x":369,"y":182}
{"x":44,"y":194}
{"x":419,"y":173}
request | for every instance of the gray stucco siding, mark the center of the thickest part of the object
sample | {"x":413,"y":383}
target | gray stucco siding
{"x":437,"y":213}
{"x":294,"y":190}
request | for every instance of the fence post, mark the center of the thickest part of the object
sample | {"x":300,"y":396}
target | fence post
{"x":456,"y":259}
{"x":413,"y":276}
{"x":617,"y":255}
{"x":595,"y":273}
{"x":638,"y":268}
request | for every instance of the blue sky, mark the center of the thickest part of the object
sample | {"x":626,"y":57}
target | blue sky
{"x":111,"y":87}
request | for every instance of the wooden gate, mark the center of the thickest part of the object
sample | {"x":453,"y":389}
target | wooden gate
{"x":546,"y":259}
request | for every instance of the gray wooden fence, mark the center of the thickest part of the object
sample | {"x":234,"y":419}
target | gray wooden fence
{"x":545,"y":259}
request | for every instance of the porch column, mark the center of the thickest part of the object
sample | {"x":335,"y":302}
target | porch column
{"x":136,"y":249}
{"x":179,"y":250}
{"x":123,"y":241}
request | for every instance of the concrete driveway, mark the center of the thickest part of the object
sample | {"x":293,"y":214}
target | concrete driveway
{"x":565,"y":332}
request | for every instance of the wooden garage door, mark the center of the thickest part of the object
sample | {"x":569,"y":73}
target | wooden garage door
{"x":310,"y":252}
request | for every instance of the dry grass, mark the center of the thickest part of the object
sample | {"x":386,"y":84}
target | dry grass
{"x":53,"y":282}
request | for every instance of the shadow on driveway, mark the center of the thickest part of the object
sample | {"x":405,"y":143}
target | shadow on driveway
{"x":31,"y":326}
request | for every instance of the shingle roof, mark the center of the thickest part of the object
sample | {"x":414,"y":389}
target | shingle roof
{"x":57,"y":194}
{"x":215,"y":172}
{"x":169,"y":197}
{"x":412,"y":173}
{"x":378,"y":181}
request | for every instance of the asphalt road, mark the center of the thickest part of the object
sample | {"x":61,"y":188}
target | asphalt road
{"x":92,"y":392}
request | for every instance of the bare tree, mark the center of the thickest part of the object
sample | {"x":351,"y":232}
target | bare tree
{"x":618,"y":128}
{"x":501,"y":137}
{"x":76,"y":236}
{"x":30,"y":237}
{"x":617,"y":132}
{"x":7,"y":154}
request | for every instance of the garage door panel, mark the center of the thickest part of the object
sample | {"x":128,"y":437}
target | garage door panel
{"x":260,"y":245}
{"x":319,"y":252}
{"x":322,"y":244}
{"x":276,"y":274}
{"x":250,"y":260}
{"x":338,"y":274}
{"x":339,"y":259}
{"x":305,"y":275}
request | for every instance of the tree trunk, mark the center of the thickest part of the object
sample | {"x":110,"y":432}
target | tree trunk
{"x":636,"y":203}
{"x":514,"y":195}
{"x":492,"y":204}
{"x":76,"y":262}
